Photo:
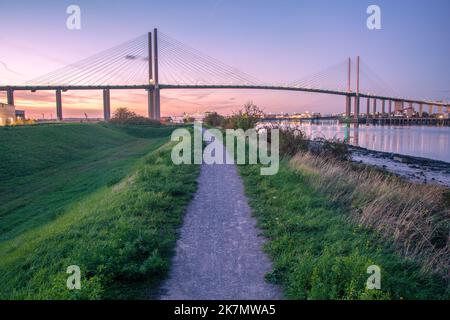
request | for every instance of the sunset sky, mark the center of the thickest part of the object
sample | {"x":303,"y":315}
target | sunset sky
{"x":275,"y":41}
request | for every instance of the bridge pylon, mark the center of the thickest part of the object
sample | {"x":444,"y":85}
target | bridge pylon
{"x":357,"y":99}
{"x":154,"y":97}
{"x":348,"y":98}
{"x":157,"y":96}
{"x":151,"y":97}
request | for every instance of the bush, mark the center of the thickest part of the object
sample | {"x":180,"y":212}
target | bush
{"x":125,"y":116}
{"x":292,"y":140}
{"x":188,"y":120}
{"x":214,"y":119}
{"x":333,"y":148}
{"x":245,"y":118}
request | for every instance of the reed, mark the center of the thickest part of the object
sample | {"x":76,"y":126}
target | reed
{"x":416,"y":217}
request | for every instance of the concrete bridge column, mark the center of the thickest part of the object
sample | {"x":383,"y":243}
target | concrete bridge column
{"x":356,"y":108}
{"x":398,"y":106}
{"x":420,"y":110}
{"x":106,"y":105}
{"x":157,"y":96}
{"x":410,"y":110}
{"x":390,"y":107}
{"x":157,"y":104}
{"x":59,"y":116}
{"x":440,"y":110}
{"x":383,"y":107}
{"x":151,"y":103}
{"x":348,"y":106}
{"x":368,"y":108}
{"x":374,"y":107}
{"x":10,"y":96}
{"x":430,"y":109}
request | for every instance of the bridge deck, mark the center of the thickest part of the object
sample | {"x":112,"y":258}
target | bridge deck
{"x":241,"y":87}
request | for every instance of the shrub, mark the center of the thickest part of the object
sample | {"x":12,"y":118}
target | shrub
{"x":188,"y":119}
{"x":125,"y":116}
{"x":292,"y":140}
{"x":245,"y":118}
{"x":333,"y":148}
{"x":214,"y":119}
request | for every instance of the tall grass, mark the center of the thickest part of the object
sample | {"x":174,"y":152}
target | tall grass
{"x":416,"y":217}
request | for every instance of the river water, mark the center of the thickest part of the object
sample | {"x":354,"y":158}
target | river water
{"x":419,"y":141}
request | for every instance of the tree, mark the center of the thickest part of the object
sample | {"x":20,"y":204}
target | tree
{"x":213,"y":119}
{"x":123,"y":115}
{"x":247,"y":117}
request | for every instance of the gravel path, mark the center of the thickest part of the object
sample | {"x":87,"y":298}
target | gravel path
{"x":218,"y":254}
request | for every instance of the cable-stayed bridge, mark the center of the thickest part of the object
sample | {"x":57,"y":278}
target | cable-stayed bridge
{"x":156,"y":61}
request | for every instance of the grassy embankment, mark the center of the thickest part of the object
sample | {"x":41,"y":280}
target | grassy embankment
{"x":328,"y":220}
{"x":106,"y":198}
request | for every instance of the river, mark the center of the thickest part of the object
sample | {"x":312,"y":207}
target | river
{"x":418,"y":141}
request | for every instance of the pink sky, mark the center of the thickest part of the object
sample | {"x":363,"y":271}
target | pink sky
{"x":173,"y":102}
{"x":276,"y":42}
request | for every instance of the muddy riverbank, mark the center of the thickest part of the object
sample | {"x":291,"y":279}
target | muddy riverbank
{"x":415,"y":169}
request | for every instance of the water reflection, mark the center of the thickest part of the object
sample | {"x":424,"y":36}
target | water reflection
{"x":419,"y":141}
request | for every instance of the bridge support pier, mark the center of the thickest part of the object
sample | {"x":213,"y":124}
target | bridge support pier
{"x":383,"y":108}
{"x":440,"y":110}
{"x":157,"y":97}
{"x":59,"y":115}
{"x":368,"y":110}
{"x":157,"y":114}
{"x":356,"y":109}
{"x":151,"y":103}
{"x":430,"y":109}
{"x":420,"y":110}
{"x":410,"y":111}
{"x":106,"y":105}
{"x":374,"y":107}
{"x":390,"y":107}
{"x":10,"y":96}
{"x":348,"y":98}
{"x":348,"y":106}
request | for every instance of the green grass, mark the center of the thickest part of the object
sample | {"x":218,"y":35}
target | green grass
{"x":318,"y":253}
{"x":46,"y":169}
{"x":106,"y":198}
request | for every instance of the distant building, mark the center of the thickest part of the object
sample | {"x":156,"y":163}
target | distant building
{"x":20,"y":115}
{"x":306,"y":115}
{"x":9,"y":114}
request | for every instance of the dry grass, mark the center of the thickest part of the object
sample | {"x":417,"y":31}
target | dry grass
{"x":416,"y":217}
